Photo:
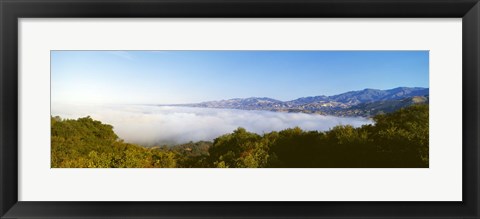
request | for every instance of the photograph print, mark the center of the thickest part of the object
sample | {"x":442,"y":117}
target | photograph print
{"x":239,"y":109}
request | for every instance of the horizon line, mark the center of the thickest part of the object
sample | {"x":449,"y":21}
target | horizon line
{"x":251,"y":97}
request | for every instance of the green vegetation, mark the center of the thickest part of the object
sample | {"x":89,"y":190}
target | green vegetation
{"x":398,"y":139}
{"x":88,"y":143}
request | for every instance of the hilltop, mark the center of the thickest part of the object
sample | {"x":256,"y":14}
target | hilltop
{"x":366,"y":103}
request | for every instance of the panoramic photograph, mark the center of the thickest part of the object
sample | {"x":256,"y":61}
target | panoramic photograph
{"x":239,"y":109}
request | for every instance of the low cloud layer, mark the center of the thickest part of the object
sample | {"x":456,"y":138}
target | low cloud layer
{"x":159,"y":125}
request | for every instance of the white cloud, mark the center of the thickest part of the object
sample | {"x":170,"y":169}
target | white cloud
{"x":122,"y":54}
{"x":153,"y":125}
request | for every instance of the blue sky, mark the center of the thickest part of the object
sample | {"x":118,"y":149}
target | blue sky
{"x":163,"y":77}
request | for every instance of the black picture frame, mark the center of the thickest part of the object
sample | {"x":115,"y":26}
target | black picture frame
{"x":11,"y":10}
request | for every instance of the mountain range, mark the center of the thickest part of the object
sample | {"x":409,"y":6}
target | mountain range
{"x":366,"y":103}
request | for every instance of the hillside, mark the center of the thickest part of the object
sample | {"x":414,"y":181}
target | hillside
{"x":366,"y":103}
{"x":380,"y":107}
{"x":397,"y":140}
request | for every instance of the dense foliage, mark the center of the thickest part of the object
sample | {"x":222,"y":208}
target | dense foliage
{"x":398,"y":139}
{"x":88,"y":143}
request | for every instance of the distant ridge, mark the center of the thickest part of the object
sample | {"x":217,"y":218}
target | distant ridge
{"x":366,"y":102}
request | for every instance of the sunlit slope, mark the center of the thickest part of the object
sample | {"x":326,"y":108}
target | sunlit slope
{"x":398,"y":139}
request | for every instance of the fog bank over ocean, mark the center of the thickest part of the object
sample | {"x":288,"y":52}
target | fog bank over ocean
{"x":159,"y":125}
